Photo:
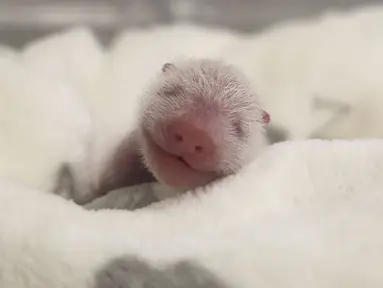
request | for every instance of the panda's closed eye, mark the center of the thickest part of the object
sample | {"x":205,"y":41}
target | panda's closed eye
{"x":238,"y":128}
{"x":172,"y":90}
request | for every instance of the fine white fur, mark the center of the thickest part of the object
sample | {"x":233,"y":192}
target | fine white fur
{"x":305,"y":215}
{"x":223,"y":89}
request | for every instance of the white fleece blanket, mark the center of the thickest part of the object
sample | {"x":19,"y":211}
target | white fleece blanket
{"x":307,"y":214}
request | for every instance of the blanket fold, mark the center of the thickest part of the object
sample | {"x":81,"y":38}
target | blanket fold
{"x":305,"y":214}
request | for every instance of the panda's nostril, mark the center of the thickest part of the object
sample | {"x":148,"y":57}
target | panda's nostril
{"x":178,"y":137}
{"x":198,"y":148}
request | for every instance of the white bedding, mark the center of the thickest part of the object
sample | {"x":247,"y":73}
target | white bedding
{"x":307,"y":214}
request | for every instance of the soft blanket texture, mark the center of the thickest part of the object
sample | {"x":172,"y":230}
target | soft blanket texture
{"x":306,"y":214}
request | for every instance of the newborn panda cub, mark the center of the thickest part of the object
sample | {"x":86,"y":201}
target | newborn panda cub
{"x":198,"y":121}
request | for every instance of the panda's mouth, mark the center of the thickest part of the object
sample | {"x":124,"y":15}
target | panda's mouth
{"x":174,"y":170}
{"x":182,"y":160}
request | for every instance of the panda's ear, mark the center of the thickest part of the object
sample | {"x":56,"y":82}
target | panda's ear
{"x":167,"y":66}
{"x":265,"y":117}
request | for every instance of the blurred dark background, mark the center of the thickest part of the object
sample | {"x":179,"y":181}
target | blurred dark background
{"x":24,"y":20}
